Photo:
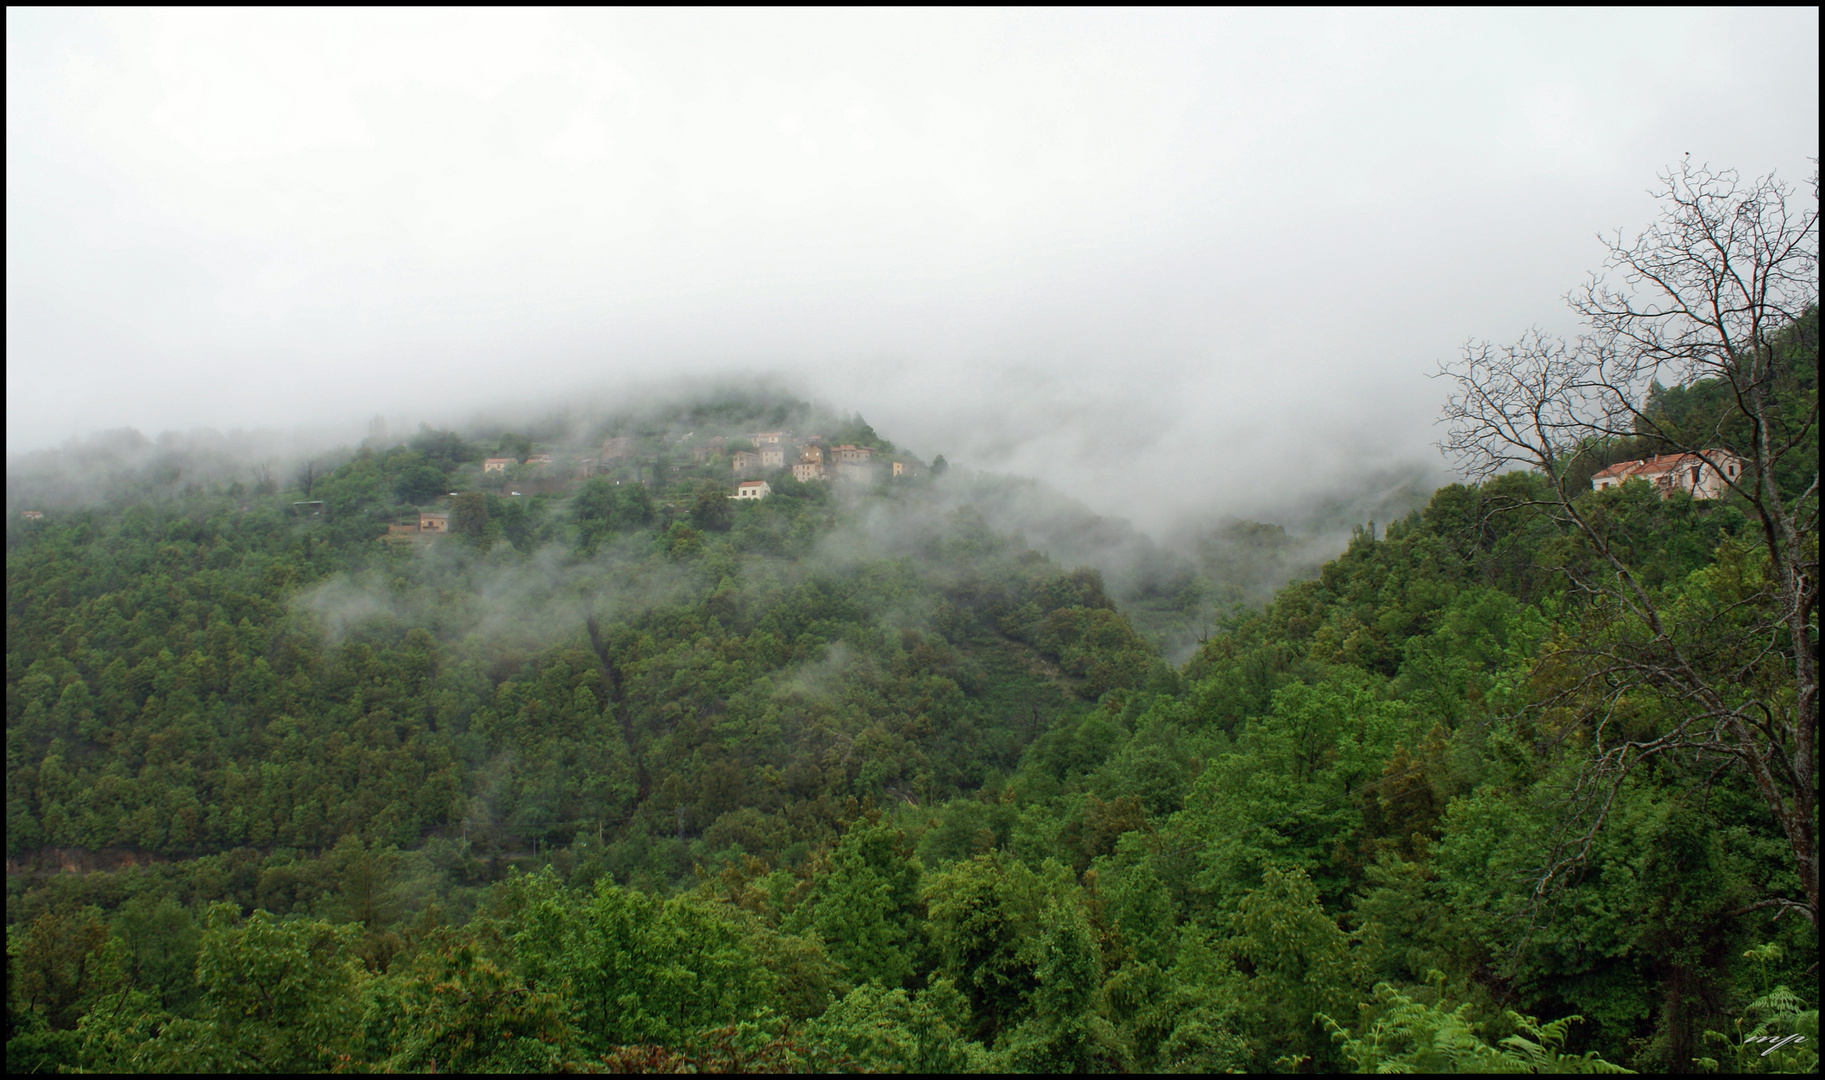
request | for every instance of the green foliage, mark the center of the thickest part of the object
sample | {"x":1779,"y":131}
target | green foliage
{"x":518,"y":447}
{"x":458,"y":1011}
{"x":711,"y":510}
{"x":638,"y":969}
{"x":624,"y":778}
{"x":469,"y":514}
{"x":985,"y":921}
{"x":276,"y":997}
{"x":866,"y":907}
{"x":51,"y":967}
{"x":873,"y":1029}
{"x":1776,"y":1032}
{"x":1065,"y":1031}
{"x":1406,"y":1036}
{"x":419,"y":483}
{"x":1298,"y":963}
{"x":443,"y":449}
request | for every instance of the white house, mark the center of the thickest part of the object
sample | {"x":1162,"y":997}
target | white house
{"x":1695,"y":474}
{"x":752,"y":489}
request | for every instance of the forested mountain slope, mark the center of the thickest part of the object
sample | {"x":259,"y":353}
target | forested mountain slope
{"x":210,"y":672}
{"x":630,"y":776}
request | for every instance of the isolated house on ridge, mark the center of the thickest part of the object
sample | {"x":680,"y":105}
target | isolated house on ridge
{"x":1695,"y":474}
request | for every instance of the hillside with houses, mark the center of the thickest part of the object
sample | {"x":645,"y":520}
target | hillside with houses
{"x":671,"y":467}
{"x":708,"y":738}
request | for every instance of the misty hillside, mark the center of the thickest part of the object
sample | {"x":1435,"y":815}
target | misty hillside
{"x":496,"y":644}
{"x":1174,"y":590}
{"x":912,"y":540}
{"x":858,"y":723}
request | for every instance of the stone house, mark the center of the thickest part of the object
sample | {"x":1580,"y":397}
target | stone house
{"x":433,"y":523}
{"x":810,"y":463}
{"x":614,"y":449}
{"x":772,"y":457}
{"x":498,"y":464}
{"x":745,"y":462}
{"x":31,"y":515}
{"x":763,"y":439}
{"x":1695,"y":474}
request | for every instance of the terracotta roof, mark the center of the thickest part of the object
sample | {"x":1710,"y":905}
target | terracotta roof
{"x":1657,"y":464}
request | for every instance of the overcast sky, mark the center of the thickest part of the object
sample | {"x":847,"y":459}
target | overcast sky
{"x":1166,"y":260}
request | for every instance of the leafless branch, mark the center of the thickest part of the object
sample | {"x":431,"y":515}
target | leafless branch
{"x":1704,"y":295}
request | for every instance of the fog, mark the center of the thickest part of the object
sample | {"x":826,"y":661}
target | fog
{"x":1177,"y":265}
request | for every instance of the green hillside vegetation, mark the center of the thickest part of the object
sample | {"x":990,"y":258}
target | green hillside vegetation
{"x":625,"y":775}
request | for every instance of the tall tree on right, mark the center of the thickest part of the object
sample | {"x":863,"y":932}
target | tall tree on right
{"x":1718,"y":296}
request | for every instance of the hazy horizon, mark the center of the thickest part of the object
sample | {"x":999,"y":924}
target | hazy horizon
{"x":1173,"y":263}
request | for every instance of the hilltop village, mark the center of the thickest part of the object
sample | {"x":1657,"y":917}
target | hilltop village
{"x":750,"y":465}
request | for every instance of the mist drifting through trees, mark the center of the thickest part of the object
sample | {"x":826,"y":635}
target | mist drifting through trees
{"x":912,"y":541}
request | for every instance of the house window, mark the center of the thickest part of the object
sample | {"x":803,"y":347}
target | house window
{"x":1695,"y":470}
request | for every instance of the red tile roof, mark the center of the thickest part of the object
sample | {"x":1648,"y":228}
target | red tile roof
{"x":1657,"y":464}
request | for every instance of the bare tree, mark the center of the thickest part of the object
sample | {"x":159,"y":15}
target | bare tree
{"x":1721,"y":292}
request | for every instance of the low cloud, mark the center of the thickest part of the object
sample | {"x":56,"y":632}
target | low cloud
{"x":1180,"y":265}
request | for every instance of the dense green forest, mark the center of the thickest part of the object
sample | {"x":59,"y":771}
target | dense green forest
{"x":620,"y":774}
